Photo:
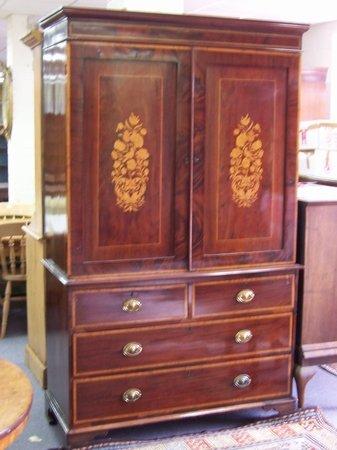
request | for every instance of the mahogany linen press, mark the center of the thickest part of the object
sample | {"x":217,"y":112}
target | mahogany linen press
{"x":170,"y":154}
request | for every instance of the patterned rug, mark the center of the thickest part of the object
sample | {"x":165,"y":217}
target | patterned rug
{"x":332,"y":368}
{"x":304,"y":430}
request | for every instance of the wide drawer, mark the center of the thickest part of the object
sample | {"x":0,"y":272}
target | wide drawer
{"x":95,"y":308}
{"x":244,"y":295}
{"x":99,"y":352}
{"x":151,"y":393}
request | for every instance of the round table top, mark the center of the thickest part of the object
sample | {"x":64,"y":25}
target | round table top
{"x":16,"y":394}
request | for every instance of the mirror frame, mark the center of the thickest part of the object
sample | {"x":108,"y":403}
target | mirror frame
{"x":7,"y":101}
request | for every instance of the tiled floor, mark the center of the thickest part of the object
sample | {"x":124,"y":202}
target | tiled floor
{"x":38,"y":435}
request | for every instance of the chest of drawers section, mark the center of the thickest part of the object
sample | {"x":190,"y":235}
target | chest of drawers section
{"x":149,"y":351}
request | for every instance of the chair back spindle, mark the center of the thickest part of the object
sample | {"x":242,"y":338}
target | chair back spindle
{"x":13,"y":256}
{"x":13,"y":264}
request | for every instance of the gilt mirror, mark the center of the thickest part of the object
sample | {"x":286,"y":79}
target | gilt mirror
{"x":6,"y":114}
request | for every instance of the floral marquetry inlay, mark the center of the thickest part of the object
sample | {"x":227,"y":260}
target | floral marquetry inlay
{"x":130,"y":173}
{"x":246,"y":162}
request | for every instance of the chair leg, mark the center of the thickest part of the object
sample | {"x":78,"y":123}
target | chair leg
{"x":5,"y":308}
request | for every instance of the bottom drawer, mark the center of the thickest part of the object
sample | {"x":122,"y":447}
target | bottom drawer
{"x":189,"y":388}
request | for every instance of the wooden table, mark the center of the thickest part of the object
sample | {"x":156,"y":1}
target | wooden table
{"x":16,"y":396}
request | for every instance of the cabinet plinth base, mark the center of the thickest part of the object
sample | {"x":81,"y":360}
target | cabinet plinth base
{"x":94,"y":435}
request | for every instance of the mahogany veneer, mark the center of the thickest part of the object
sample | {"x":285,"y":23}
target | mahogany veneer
{"x":219,"y":298}
{"x":100,"y":399}
{"x":104,"y":307}
{"x":103,"y":351}
{"x":170,"y":210}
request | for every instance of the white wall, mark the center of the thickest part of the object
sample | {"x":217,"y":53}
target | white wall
{"x":317,"y":45}
{"x":21,"y":143}
{"x":333,"y":77}
{"x":320,"y":50}
{"x":161,"y":6}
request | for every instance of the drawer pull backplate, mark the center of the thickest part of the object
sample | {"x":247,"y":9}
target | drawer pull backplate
{"x":132,"y":305}
{"x":132,"y":349}
{"x":245,"y":296}
{"x":242,"y":381}
{"x":243,"y":336}
{"x":132,"y":395}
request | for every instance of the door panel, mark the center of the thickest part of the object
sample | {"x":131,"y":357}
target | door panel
{"x":135,"y":167}
{"x":244,"y":169}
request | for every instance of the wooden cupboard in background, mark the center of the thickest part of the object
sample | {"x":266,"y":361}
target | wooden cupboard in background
{"x":317,"y":252}
{"x":315,"y":94}
{"x":35,"y":352}
{"x":170,"y":154}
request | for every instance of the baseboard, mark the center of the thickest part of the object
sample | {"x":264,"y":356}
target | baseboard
{"x":316,"y":354}
{"x":36,"y":366}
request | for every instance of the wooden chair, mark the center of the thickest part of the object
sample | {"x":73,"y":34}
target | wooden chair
{"x":14,"y":218}
{"x":11,"y":227}
{"x":13,"y":266}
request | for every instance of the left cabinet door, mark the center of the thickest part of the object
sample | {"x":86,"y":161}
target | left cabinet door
{"x":129,"y":157}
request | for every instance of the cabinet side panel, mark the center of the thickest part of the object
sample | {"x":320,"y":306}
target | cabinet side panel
{"x":320,"y":276}
{"x":58,"y":344}
{"x":54,"y":134}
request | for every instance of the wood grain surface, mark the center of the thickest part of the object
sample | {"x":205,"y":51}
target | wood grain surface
{"x":102,"y":352}
{"x":230,"y":86}
{"x":317,"y":251}
{"x":188,"y":388}
{"x":219,"y":298}
{"x":104,"y":307}
{"x":16,"y":395}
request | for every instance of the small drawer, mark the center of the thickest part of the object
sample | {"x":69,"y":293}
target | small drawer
{"x":107,"y":351}
{"x":244,"y":295}
{"x":124,"y":397}
{"x":101,"y":307}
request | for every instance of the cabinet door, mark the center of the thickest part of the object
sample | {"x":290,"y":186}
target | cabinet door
{"x":130,"y":140}
{"x":244,"y":166}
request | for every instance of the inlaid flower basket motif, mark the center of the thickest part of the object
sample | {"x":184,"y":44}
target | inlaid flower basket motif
{"x":130,"y":173}
{"x":246,"y":162}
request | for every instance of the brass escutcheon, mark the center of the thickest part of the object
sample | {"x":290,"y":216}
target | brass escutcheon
{"x":243,"y":336}
{"x":245,"y":296}
{"x":242,"y":381}
{"x":132,"y":395}
{"x":132,"y":349}
{"x":132,"y":305}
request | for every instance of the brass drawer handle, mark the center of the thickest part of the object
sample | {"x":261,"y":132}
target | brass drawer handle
{"x":132,"y":395}
{"x":243,"y":336}
{"x":242,"y":381}
{"x":132,"y":305}
{"x":245,"y":296}
{"x":132,"y":349}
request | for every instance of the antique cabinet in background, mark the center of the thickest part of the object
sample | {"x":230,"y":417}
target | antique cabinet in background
{"x":169,"y":187}
{"x":317,"y":332}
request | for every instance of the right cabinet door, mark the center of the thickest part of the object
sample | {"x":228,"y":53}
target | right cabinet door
{"x":245,"y":152}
